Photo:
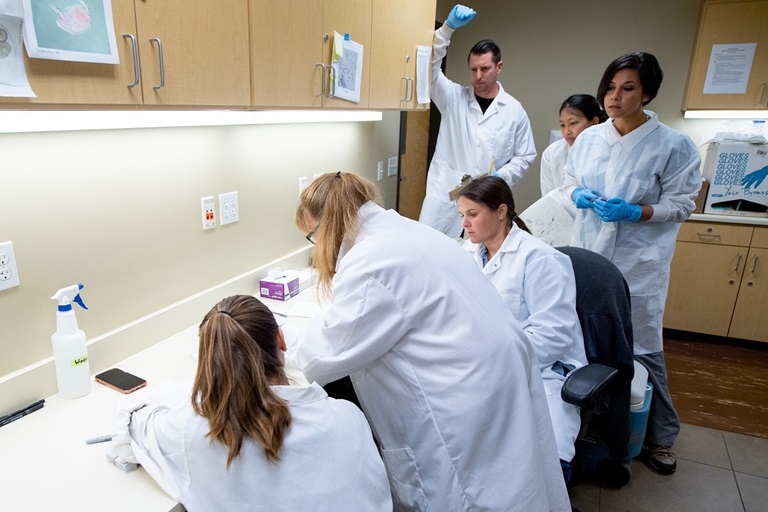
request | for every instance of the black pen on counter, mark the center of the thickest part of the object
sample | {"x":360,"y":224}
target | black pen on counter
{"x":21,"y":413}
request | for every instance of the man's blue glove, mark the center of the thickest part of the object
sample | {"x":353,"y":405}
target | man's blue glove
{"x":755,"y":178}
{"x":460,"y":16}
{"x":615,"y":209}
{"x":583,"y":198}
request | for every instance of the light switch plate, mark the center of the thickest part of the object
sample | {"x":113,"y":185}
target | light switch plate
{"x":392,"y":166}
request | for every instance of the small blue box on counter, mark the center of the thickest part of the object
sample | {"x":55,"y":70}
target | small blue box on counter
{"x":279,"y":288}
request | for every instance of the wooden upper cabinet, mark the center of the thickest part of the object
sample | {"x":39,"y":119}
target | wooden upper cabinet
{"x":58,"y":82}
{"x":399,"y":27}
{"x":291,"y":42}
{"x":730,"y":22}
{"x":205,"y":58}
{"x":205,"y":52}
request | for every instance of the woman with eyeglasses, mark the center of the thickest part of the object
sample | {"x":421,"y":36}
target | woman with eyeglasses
{"x":244,"y":438}
{"x":446,"y":377}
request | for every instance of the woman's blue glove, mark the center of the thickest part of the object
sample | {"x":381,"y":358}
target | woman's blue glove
{"x":460,"y":16}
{"x":615,"y":209}
{"x":583,"y":198}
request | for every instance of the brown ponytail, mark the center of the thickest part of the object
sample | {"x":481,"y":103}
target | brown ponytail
{"x":238,"y":359}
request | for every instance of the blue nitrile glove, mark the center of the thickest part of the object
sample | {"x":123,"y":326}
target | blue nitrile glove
{"x":460,"y":16}
{"x":755,"y":178}
{"x":615,"y":209}
{"x":583,"y":198}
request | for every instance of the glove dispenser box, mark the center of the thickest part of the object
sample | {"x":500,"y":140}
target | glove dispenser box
{"x":738,"y":179}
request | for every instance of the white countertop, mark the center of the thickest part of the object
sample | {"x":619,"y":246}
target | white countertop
{"x":731,"y":219}
{"x":46,"y":464}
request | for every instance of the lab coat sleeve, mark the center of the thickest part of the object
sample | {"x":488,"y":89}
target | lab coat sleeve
{"x":546,"y":173}
{"x":363,"y":322}
{"x":441,"y":85}
{"x":570,"y":183}
{"x":550,"y":296}
{"x":680,"y":183}
{"x":524,"y":152}
{"x":157,"y":440}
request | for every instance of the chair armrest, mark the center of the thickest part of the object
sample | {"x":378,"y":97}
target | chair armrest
{"x":583,"y":384}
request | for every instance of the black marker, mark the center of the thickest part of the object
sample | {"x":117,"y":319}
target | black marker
{"x":21,"y":412}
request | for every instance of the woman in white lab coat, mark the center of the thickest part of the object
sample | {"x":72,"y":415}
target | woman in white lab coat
{"x":537,"y":283}
{"x":247,"y":440}
{"x":577,"y":113}
{"x":634,"y":181}
{"x":445,"y":375}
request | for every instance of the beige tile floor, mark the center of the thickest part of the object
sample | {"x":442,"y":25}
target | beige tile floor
{"x":717,"y":471}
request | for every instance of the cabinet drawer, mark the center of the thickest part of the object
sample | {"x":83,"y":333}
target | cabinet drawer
{"x":760,"y":238}
{"x":715,"y":233}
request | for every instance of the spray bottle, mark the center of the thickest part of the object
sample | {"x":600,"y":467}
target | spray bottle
{"x":70,"y":352}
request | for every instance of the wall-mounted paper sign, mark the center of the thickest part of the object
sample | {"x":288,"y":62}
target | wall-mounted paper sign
{"x":347,"y":66}
{"x":13,"y":77}
{"x":729,"y":67}
{"x":72,"y":30}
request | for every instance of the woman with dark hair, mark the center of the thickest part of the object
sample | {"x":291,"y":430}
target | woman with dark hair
{"x":634,"y":180}
{"x":537,"y":283}
{"x":577,"y":113}
{"x":445,"y":375}
{"x":247,"y":440}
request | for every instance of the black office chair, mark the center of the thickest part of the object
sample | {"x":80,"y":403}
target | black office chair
{"x":602,"y":388}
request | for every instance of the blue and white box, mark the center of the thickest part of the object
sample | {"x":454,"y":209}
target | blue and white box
{"x":738,"y":178}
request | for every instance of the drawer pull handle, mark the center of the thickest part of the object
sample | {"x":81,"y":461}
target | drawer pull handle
{"x":712,"y":236}
{"x":322,"y":79}
{"x":738,"y":263}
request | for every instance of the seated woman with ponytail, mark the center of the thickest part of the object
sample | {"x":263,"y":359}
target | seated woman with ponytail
{"x":537,"y":283}
{"x":242,"y":438}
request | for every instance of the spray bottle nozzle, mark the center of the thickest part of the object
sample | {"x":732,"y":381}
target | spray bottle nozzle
{"x":69,"y":294}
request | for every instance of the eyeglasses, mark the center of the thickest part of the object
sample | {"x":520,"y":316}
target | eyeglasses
{"x":311,"y":234}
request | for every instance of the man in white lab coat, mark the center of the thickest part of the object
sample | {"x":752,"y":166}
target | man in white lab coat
{"x":482,"y":127}
{"x":444,"y":373}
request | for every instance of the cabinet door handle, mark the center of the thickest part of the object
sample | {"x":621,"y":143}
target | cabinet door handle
{"x":135,"y":60}
{"x":738,"y":263}
{"x":322,"y":78}
{"x":763,"y":90}
{"x":754,"y":265}
{"x":413,"y":86}
{"x":405,"y":95}
{"x":332,"y":81}
{"x":162,"y":64}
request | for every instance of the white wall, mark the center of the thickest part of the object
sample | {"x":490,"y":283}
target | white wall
{"x":120,"y":212}
{"x":554,"y":49}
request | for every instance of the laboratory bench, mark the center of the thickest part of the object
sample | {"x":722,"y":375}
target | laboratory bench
{"x":46,"y":464}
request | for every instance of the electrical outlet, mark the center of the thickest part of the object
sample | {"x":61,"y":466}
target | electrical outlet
{"x":380,"y":173}
{"x":9,"y":274}
{"x":303,"y":182}
{"x":229,"y":208}
{"x":392,"y":167}
{"x":208,"y":212}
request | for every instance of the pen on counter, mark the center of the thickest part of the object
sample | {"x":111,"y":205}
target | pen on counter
{"x":99,"y":439}
{"x":21,"y":413}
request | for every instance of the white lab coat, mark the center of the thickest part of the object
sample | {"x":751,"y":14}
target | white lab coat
{"x":652,"y":165}
{"x":469,"y":141}
{"x":328,"y":461}
{"x":537,"y":283}
{"x":552,"y":173}
{"x":444,"y":373}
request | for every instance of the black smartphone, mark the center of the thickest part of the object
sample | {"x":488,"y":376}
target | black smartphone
{"x":119,"y":380}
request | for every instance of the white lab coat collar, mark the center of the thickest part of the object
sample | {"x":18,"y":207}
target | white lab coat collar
{"x":366,"y":212}
{"x":634,"y":137}
{"x":502,"y":98}
{"x":511,"y":244}
{"x":300,"y":395}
